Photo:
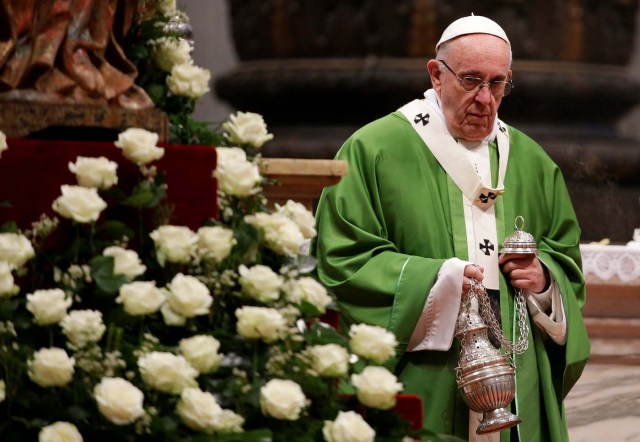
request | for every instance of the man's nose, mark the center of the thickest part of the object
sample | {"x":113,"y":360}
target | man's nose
{"x":484,"y":94}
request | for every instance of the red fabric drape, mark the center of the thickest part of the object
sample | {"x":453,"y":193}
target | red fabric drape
{"x":409,"y":407}
{"x":32,"y":171}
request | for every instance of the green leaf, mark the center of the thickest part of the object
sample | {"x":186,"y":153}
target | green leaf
{"x":78,"y":413}
{"x":261,"y":435}
{"x":359,"y":366}
{"x":145,"y":196}
{"x":9,"y":227}
{"x":116,"y":230}
{"x":8,"y":307}
{"x":137,"y":52}
{"x":246,"y":236}
{"x":308,"y":310}
{"x":164,"y":425}
{"x":102,"y":273}
{"x":156,"y":92}
{"x":115,"y":193}
{"x":320,"y":333}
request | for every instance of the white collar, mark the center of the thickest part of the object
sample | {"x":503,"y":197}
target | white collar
{"x":450,"y":155}
{"x":432,"y":98}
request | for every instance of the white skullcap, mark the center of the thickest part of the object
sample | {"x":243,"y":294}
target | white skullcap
{"x":473,"y":24}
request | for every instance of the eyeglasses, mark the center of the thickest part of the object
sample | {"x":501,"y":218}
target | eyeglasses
{"x":498,"y":88}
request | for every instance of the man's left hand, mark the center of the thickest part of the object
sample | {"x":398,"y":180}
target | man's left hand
{"x":524,"y":271}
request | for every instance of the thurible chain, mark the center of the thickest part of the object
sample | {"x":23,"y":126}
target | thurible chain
{"x":487,"y":314}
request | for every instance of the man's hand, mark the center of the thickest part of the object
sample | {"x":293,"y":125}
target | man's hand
{"x":471,"y":271}
{"x":524,"y":271}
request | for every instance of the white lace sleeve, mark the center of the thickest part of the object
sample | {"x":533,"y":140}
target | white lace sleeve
{"x":437,"y":323}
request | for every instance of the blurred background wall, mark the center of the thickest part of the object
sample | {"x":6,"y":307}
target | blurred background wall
{"x":214,"y":49}
{"x":319,"y":69}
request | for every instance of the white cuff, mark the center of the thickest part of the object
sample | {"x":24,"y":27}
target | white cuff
{"x":552,"y":323}
{"x":436,"y":326}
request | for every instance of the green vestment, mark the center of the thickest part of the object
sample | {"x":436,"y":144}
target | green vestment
{"x":387,"y":227}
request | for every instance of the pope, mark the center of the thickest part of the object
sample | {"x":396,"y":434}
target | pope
{"x":432,"y":191}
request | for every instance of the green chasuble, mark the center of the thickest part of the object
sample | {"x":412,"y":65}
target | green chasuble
{"x":385,"y":230}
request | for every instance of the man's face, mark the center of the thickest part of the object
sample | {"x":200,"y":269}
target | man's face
{"x":470,"y":115}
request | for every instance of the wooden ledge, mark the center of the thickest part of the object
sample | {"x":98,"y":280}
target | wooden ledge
{"x":20,"y":119}
{"x":301,"y":180}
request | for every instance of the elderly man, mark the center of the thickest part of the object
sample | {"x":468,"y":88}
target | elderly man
{"x":432,"y":191}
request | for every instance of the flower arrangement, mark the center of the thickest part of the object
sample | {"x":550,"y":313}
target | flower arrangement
{"x":160,"y":46}
{"x":115,"y":324}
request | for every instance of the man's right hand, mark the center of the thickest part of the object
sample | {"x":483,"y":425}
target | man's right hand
{"x":471,"y":271}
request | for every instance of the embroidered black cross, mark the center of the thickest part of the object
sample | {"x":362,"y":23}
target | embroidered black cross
{"x":502,"y":128}
{"x":486,"y":247}
{"x":424,"y":119}
{"x":484,"y":198}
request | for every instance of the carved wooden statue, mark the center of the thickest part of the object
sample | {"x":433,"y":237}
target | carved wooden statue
{"x":68,"y":51}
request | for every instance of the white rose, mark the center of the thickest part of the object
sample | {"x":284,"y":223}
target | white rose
{"x":330,"y":360}
{"x":51,"y":367}
{"x":215,"y":242}
{"x":372,"y":342}
{"x":3,"y":143}
{"x":187,"y":80}
{"x":15,"y":249}
{"x":168,"y":52}
{"x":167,"y":372}
{"x":349,"y":426}
{"x":376,"y":387}
{"x":201,"y":352}
{"x":260,"y":283}
{"x":3,"y":390}
{"x":260,"y":323}
{"x":282,"y":399}
{"x":309,"y":290}
{"x":95,"y":172}
{"x":235,"y":174}
{"x":119,"y":400}
{"x":139,"y":145}
{"x":299,"y":214}
{"x":48,"y":306}
{"x":247,"y":128}
{"x":7,"y":286}
{"x":81,"y":204}
{"x":170,"y":317}
{"x":140,"y":298}
{"x":280,"y":233}
{"x":188,"y":296}
{"x":230,"y":155}
{"x":82,"y":327}
{"x":198,"y":409}
{"x":175,"y":244}
{"x":125,"y":262}
{"x":229,"y":422}
{"x":60,"y":432}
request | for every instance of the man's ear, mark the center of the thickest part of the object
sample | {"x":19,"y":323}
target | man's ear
{"x":433,"y":66}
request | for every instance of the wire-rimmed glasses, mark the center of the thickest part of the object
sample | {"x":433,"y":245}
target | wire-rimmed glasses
{"x":499,"y":88}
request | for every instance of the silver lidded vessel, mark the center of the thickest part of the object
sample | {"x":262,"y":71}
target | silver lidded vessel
{"x":485,"y":375}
